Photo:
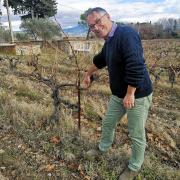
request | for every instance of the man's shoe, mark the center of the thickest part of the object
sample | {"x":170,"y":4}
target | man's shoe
{"x":128,"y":174}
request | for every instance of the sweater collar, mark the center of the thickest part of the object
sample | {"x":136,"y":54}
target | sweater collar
{"x":111,"y":33}
{"x":113,"y":29}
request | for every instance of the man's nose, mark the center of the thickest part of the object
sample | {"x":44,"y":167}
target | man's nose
{"x":96,"y":27}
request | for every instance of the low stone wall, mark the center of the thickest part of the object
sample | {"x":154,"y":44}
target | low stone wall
{"x":79,"y":45}
{"x":18,"y":49}
{"x":28,"y":49}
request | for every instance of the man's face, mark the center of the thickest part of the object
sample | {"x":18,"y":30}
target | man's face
{"x":99,"y":24}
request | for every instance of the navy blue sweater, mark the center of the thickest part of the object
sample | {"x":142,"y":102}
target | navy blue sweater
{"x":123,"y":55}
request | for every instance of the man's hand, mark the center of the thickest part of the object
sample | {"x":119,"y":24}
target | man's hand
{"x":86,"y":81}
{"x":129,"y":101}
{"x":88,"y":76}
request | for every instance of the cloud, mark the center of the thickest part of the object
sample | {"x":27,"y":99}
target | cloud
{"x":120,"y":10}
{"x":69,"y":11}
{"x":68,"y":18}
{"x":15,"y":25}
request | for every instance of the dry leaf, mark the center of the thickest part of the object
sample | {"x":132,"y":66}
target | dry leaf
{"x":49,"y":167}
{"x":73,"y":166}
{"x":80,"y":169}
{"x":164,"y":158}
{"x":55,"y":140}
{"x":87,"y":178}
{"x":150,"y":136}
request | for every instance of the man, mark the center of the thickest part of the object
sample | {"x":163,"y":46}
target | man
{"x":130,"y":84}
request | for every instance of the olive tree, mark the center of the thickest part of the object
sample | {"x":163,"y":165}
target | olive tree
{"x":43,"y":29}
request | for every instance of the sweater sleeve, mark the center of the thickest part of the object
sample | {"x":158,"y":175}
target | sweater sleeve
{"x":133,"y":58}
{"x":99,"y":60}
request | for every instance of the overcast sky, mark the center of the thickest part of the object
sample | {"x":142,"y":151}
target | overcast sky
{"x":120,"y":10}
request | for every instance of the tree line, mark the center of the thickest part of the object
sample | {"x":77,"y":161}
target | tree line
{"x":163,"y":28}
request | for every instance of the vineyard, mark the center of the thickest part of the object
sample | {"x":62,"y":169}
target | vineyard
{"x":48,"y":121}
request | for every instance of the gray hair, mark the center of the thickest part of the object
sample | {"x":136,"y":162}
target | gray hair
{"x":96,"y":9}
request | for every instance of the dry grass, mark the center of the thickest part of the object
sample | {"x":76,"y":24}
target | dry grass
{"x":36,"y":149}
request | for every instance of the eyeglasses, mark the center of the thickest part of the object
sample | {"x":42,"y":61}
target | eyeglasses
{"x":97,"y":22}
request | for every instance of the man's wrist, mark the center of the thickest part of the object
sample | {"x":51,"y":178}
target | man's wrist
{"x":88,"y":74}
{"x":130,"y":94}
{"x":130,"y":90}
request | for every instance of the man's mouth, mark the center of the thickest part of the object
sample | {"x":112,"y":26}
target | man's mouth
{"x":98,"y":32}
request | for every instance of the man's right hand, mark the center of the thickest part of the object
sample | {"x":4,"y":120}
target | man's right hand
{"x":86,"y":81}
{"x":88,"y":76}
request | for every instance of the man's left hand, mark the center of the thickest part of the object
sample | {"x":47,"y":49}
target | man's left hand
{"x":128,"y":101}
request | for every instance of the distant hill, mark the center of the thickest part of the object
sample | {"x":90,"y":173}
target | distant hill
{"x":79,"y":30}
